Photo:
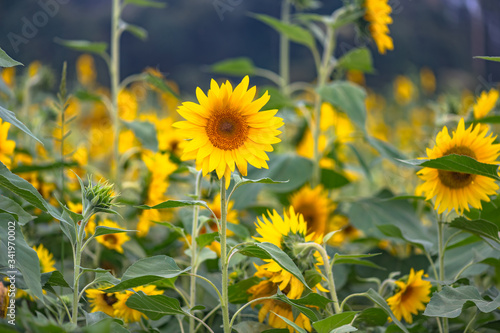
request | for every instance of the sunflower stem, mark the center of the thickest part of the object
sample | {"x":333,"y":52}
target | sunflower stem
{"x":114,"y":73}
{"x":441,"y":264}
{"x":77,"y":258}
{"x":285,"y":50}
{"x":223,"y":255}
{"x":194,"y":251}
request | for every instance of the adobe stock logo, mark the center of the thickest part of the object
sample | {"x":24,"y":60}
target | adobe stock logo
{"x":30,"y":28}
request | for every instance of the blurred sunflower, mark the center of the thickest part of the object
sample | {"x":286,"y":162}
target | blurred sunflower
{"x":284,"y":232}
{"x":9,"y":76}
{"x":378,"y":17}
{"x":121,"y":310}
{"x":315,"y":206}
{"x":127,"y":105}
{"x":232,"y":217}
{"x":227,"y":129}
{"x":485,"y":103}
{"x":346,"y":231}
{"x":169,"y":138}
{"x":6,"y":146}
{"x":77,"y":208}
{"x":410,"y":297}
{"x":454,"y":189}
{"x":404,"y":90}
{"x":428,"y":80}
{"x":46,"y":259}
{"x":126,"y":141}
{"x":101,"y":301}
{"x":85,"y":69}
{"x":113,"y":241}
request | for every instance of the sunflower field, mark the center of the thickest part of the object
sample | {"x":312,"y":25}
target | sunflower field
{"x":326,"y":206}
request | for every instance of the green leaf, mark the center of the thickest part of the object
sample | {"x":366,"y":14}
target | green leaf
{"x":293,"y":32}
{"x":53,"y":279}
{"x":137,"y":31}
{"x":244,"y":181}
{"x":10,"y":117}
{"x":155,"y":306}
{"x":371,"y":317}
{"x":87,"y":96}
{"x":355,"y":259}
{"x":235,"y":67}
{"x":497,"y":59}
{"x":206,"y":239}
{"x":103,"y":230}
{"x":43,"y":167}
{"x":458,"y":163}
{"x":84,"y":45}
{"x":329,"y":324}
{"x":145,"y":132}
{"x":291,"y":323}
{"x":357,"y":59}
{"x":6,"y":61}
{"x":146,"y":3}
{"x":175,"y":204}
{"x":480,"y":227}
{"x":386,"y":149}
{"x":448,"y":303}
{"x":332,"y":179}
{"x":106,"y":325}
{"x":301,"y":304}
{"x":26,"y":259}
{"x":238,"y":292}
{"x":271,"y":251}
{"x":160,"y":84}
{"x":147,"y":270}
{"x":238,"y":230}
{"x":346,"y":15}
{"x":11,"y":207}
{"x":391,"y":230}
{"x":254,"y":327}
{"x":380,"y":301}
{"x":349,"y":98}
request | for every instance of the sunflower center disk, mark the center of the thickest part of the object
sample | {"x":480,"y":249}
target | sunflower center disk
{"x":456,"y":180}
{"x":227,"y":130}
{"x":110,"y":239}
{"x":110,"y":300}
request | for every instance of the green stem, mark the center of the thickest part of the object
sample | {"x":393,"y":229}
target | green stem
{"x":441,"y":265}
{"x":194,"y":252}
{"x":77,"y":258}
{"x":223,"y":255}
{"x":114,"y":72}
{"x":351,"y":296}
{"x":285,"y":49}
{"x":244,"y":306}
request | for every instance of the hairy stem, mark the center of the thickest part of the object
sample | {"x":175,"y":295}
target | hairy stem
{"x":223,"y":255}
{"x":194,"y":252}
{"x":114,"y":72}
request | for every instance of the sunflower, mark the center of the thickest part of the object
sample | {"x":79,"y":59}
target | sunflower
{"x":411,"y":296}
{"x":404,"y":90}
{"x":101,"y":301}
{"x":169,"y":138}
{"x":121,"y":310}
{"x":227,"y":129}
{"x":126,"y":141}
{"x":284,"y":232}
{"x":85,"y":69}
{"x":428,"y":80}
{"x":46,"y":259}
{"x":345,"y":230}
{"x":8,"y":76}
{"x":113,"y":241}
{"x":485,"y":103}
{"x":378,"y":17}
{"x":6,"y":146}
{"x":232,"y":217}
{"x":454,"y":189}
{"x":127,"y":105}
{"x":315,"y":207}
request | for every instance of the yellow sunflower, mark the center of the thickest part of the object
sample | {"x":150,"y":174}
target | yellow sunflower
{"x":113,"y":241}
{"x":6,"y":146}
{"x":404,"y":90}
{"x":454,"y":189}
{"x":85,"y":69}
{"x":227,"y":129}
{"x":378,"y":16}
{"x":345,"y":233}
{"x":127,"y":105}
{"x":9,"y":76}
{"x":315,"y":206}
{"x":411,"y":296}
{"x":121,"y":310}
{"x":46,"y":259}
{"x":284,"y":232}
{"x":485,"y":103}
{"x":101,"y":301}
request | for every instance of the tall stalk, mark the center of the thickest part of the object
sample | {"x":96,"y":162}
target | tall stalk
{"x":285,"y":50}
{"x":114,"y":72}
{"x":441,"y":250}
{"x":77,"y":258}
{"x":223,"y":255}
{"x":194,"y":252}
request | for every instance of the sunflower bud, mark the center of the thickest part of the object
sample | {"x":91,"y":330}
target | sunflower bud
{"x":98,"y":197}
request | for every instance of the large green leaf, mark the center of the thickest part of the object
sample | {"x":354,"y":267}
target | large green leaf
{"x":448,"y":303}
{"x":148,"y":270}
{"x":155,"y":306}
{"x":386,"y":149}
{"x":235,"y":66}
{"x":327,"y":325}
{"x":175,"y":204}
{"x":357,"y":59}
{"x":355,"y":259}
{"x":10,"y":117}
{"x":293,"y":32}
{"x":243,"y":181}
{"x":391,"y":230}
{"x":458,"y":163}
{"x":135,"y":30}
{"x":15,"y":248}
{"x":480,"y":227}
{"x":11,"y":207}
{"x":380,"y":301}
{"x":497,"y":59}
{"x":145,"y":132}
{"x":43,"y":167}
{"x":331,"y":179}
{"x":6,"y":61}
{"x":84,"y":45}
{"x":305,"y":303}
{"x":238,"y":292}
{"x":349,"y":98}
{"x":104,"y":230}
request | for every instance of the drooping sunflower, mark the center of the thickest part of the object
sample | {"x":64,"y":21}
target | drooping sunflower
{"x":454,"y":189}
{"x":101,"y":301}
{"x":46,"y":259}
{"x":121,"y":310}
{"x":410,"y":297}
{"x":227,"y":129}
{"x":485,"y":103}
{"x":284,"y":232}
{"x":113,"y":241}
{"x":378,"y":16}
{"x":6,"y":146}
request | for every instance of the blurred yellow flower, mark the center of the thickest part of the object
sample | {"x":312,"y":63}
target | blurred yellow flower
{"x":113,"y":241}
{"x":9,"y":76}
{"x":315,"y":206}
{"x":356,"y":76}
{"x":121,"y":310}
{"x":427,"y":80}
{"x":410,"y":297}
{"x":466,"y":101}
{"x":404,"y":90}
{"x":346,"y":232}
{"x":101,"y":301}
{"x":6,"y":146}
{"x":127,"y":141}
{"x":486,"y":102}
{"x":85,"y":69}
{"x":378,"y":16}
{"x":169,"y":138}
{"x":46,"y":259}
{"x":127,"y":105}
{"x":77,"y":208}
{"x":34,"y":68}
{"x":227,"y":129}
{"x":232,"y":217}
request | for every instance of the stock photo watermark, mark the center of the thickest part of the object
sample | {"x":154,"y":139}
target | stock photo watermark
{"x":31,"y":25}
{"x":11,"y":273}
{"x":224,"y":6}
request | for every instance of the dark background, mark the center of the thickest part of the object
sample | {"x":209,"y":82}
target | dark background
{"x":187,"y":35}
